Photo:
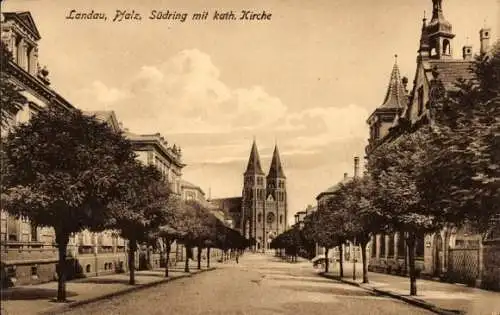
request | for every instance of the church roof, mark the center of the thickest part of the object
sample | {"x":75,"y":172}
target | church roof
{"x":253,"y":166}
{"x":449,"y":71}
{"x":395,"y":97}
{"x":276,"y":170}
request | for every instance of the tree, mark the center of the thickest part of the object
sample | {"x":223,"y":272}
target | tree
{"x":61,"y":170}
{"x":461,"y":178}
{"x":363,"y":218}
{"x":10,"y":94}
{"x":174,"y":228}
{"x":395,"y":168}
{"x":141,"y":206}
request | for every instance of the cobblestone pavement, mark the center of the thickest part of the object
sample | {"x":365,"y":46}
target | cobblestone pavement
{"x":258,"y":285}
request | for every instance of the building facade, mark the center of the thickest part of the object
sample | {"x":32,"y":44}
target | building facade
{"x":28,"y":253}
{"x":261,"y":213}
{"x":264,"y":200}
{"x":460,"y":254}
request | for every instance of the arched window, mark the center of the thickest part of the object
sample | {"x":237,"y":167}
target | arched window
{"x":259,"y":217}
{"x":446,"y":47}
{"x":281,"y":219}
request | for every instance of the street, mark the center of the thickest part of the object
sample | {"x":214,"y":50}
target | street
{"x":259,"y":284}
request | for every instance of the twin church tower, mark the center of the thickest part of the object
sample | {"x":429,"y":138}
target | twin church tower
{"x":264,"y":200}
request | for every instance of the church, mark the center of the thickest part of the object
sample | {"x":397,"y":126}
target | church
{"x":261,"y":211}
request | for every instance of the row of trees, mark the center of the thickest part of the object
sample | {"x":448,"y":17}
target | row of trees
{"x":445,"y":173}
{"x":71,"y":172}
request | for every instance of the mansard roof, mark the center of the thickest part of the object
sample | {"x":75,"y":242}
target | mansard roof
{"x":253,"y":166}
{"x":276,"y":170}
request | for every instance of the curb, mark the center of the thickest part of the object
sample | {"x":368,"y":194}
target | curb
{"x":407,"y":299}
{"x":137,"y":287}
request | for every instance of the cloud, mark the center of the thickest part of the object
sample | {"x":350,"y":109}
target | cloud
{"x":185,"y":99}
{"x":185,"y":94}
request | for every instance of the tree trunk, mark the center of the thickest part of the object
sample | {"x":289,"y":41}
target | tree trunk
{"x":62,"y":243}
{"x":327,"y":263}
{"x":199,"y":257}
{"x":363,"y":258}
{"x":410,"y":241}
{"x":341,"y":261}
{"x":132,"y":247}
{"x":168,"y":243}
{"x":208,"y":257}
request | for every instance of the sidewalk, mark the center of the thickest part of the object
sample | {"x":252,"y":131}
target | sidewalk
{"x":440,"y":297}
{"x":39,"y":299}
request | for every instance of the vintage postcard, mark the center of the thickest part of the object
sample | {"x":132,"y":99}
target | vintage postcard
{"x":250,"y":157}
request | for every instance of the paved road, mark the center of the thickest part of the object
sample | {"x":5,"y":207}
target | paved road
{"x":258,"y":285}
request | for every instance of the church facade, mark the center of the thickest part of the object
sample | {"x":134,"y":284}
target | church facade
{"x":261,"y":213}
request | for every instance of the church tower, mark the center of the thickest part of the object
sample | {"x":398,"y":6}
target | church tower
{"x":253,"y":196}
{"x":264,"y":200}
{"x":439,"y":33}
{"x":276,"y":198}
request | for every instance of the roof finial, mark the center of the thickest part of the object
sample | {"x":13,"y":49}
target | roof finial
{"x":395,"y":58}
{"x":424,"y":16}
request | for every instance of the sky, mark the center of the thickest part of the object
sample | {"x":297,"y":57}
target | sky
{"x":307,"y":79}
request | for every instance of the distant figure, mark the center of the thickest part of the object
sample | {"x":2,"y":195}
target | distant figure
{"x":237,"y":257}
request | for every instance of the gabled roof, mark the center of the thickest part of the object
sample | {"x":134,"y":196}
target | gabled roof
{"x":25,"y":19}
{"x":335,"y":187}
{"x":276,"y":170}
{"x":231,"y":204}
{"x":253,"y":166}
{"x":107,"y":116}
{"x":395,"y":97}
{"x":449,"y":71}
{"x":186,"y":184}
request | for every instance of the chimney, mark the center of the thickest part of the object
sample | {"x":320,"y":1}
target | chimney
{"x":484,"y":36}
{"x":356,"y":167}
{"x":467,"y":52}
{"x":345,"y":175}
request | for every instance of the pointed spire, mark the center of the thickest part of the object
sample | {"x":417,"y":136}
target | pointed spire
{"x":438,"y":23}
{"x":253,"y":166}
{"x":424,"y":48}
{"x":276,"y":170}
{"x":396,"y":95}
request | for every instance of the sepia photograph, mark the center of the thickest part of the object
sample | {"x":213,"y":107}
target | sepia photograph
{"x":251,"y":157}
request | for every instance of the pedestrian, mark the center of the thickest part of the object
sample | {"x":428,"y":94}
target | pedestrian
{"x":237,"y":256}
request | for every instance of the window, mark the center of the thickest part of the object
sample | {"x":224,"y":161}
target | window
{"x":87,"y":268}
{"x":446,"y":47}
{"x":374,"y":246}
{"x":390,"y":246}
{"x":401,"y":245}
{"x":259,"y":217}
{"x":420,"y":99}
{"x":34,"y":235}
{"x":420,"y":246}
{"x":281,"y":219}
{"x":270,"y":218}
{"x":382,"y":245}
{"x":34,"y":271}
